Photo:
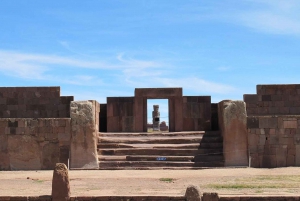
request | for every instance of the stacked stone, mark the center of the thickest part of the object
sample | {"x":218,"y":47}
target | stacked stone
{"x":33,"y":102}
{"x":28,"y":144}
{"x":120,"y":114}
{"x":274,"y":141}
{"x":196,"y":113}
{"x":274,"y":100}
{"x":274,"y":126}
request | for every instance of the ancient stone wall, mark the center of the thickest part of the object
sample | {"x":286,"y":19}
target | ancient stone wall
{"x":274,"y":141}
{"x":196,"y":113}
{"x":120,"y":114}
{"x":274,"y":100}
{"x":33,"y":102}
{"x":33,"y":144}
{"x":274,"y":126}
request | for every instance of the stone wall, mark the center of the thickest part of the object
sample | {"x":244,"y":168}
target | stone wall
{"x":33,"y":144}
{"x":274,"y":126}
{"x":196,"y":113}
{"x":274,"y":100}
{"x":274,"y":141}
{"x":120,"y":114}
{"x":33,"y":102}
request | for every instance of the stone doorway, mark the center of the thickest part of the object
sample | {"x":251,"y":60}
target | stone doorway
{"x":161,"y":122}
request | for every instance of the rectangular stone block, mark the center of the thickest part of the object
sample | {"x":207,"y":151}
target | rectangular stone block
{"x":252,"y":122}
{"x":290,"y":124}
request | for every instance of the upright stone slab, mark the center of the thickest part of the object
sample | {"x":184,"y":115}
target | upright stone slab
{"x":84,"y":135}
{"x":233,"y":125}
{"x":60,"y":183}
{"x":192,"y":193}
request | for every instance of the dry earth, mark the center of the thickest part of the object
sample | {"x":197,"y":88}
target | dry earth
{"x":226,"y":181}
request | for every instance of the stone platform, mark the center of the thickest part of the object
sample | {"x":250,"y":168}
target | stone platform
{"x":160,"y":150}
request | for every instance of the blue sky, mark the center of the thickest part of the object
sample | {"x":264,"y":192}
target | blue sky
{"x":97,"y":49}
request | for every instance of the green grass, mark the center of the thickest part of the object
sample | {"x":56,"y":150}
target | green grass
{"x":259,"y":182}
{"x":168,"y":180}
{"x":38,"y":181}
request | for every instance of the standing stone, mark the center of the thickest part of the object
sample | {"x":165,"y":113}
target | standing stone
{"x":233,"y":126}
{"x":84,"y":135}
{"x":156,"y":118}
{"x":210,"y":197}
{"x":60,"y":183}
{"x":192,"y":193}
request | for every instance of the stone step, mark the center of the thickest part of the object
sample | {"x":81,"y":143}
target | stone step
{"x":161,"y":134}
{"x":153,"y":146}
{"x":146,"y":158}
{"x":159,"y":164}
{"x":158,"y":151}
{"x":217,"y":145}
{"x":140,"y":140}
{"x":209,"y":158}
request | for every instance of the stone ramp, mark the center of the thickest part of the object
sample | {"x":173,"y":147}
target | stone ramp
{"x":159,"y":150}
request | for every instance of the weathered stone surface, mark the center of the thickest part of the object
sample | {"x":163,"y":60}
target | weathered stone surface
{"x":84,"y":136}
{"x":210,"y":197}
{"x":50,"y":155}
{"x":192,"y":193}
{"x":60,"y":183}
{"x":4,"y":157}
{"x":233,"y":125}
{"x":24,"y":152}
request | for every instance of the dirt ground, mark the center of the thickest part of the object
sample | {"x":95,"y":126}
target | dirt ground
{"x":226,"y":181}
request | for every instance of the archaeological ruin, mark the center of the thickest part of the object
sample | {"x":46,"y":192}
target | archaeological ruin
{"x":39,"y":128}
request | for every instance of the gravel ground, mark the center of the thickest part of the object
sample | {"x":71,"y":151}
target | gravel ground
{"x":226,"y":181}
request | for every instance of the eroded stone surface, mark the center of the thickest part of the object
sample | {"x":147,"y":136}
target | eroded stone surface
{"x":24,"y":152}
{"x":84,"y":136}
{"x":192,"y":193}
{"x":233,"y":125}
{"x":60,"y":183}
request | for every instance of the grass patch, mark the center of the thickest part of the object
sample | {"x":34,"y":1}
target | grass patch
{"x":38,"y":181}
{"x":260,"y":182}
{"x":168,"y":180}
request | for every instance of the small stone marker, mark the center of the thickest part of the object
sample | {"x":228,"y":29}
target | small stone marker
{"x":192,"y":193}
{"x":60,"y":183}
{"x":210,"y":197}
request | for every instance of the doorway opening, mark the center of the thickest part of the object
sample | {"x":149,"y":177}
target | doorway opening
{"x":157,"y":115}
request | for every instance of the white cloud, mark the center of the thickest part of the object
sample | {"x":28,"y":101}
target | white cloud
{"x":270,"y":16}
{"x":197,"y":85}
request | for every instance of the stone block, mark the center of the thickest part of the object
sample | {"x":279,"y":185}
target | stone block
{"x":50,"y":155}
{"x":192,"y":193}
{"x":210,"y":197}
{"x":84,"y":136}
{"x":250,"y":98}
{"x":290,"y":161}
{"x":281,"y":156}
{"x":233,"y":125}
{"x":60,"y":183}
{"x":297,"y":156}
{"x":290,"y":124}
{"x":24,"y":152}
{"x":269,"y":161}
{"x":252,"y":122}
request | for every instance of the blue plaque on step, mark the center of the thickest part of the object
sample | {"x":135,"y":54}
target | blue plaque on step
{"x":161,"y":158}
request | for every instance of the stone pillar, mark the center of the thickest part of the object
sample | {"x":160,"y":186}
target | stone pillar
{"x":233,"y":126}
{"x":192,"y":193}
{"x":84,"y":135}
{"x":60,"y":183}
{"x":156,"y":118}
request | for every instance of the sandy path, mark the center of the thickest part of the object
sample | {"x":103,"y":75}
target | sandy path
{"x":148,"y":182}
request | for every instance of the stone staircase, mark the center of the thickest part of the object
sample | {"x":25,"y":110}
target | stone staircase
{"x":160,"y":150}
